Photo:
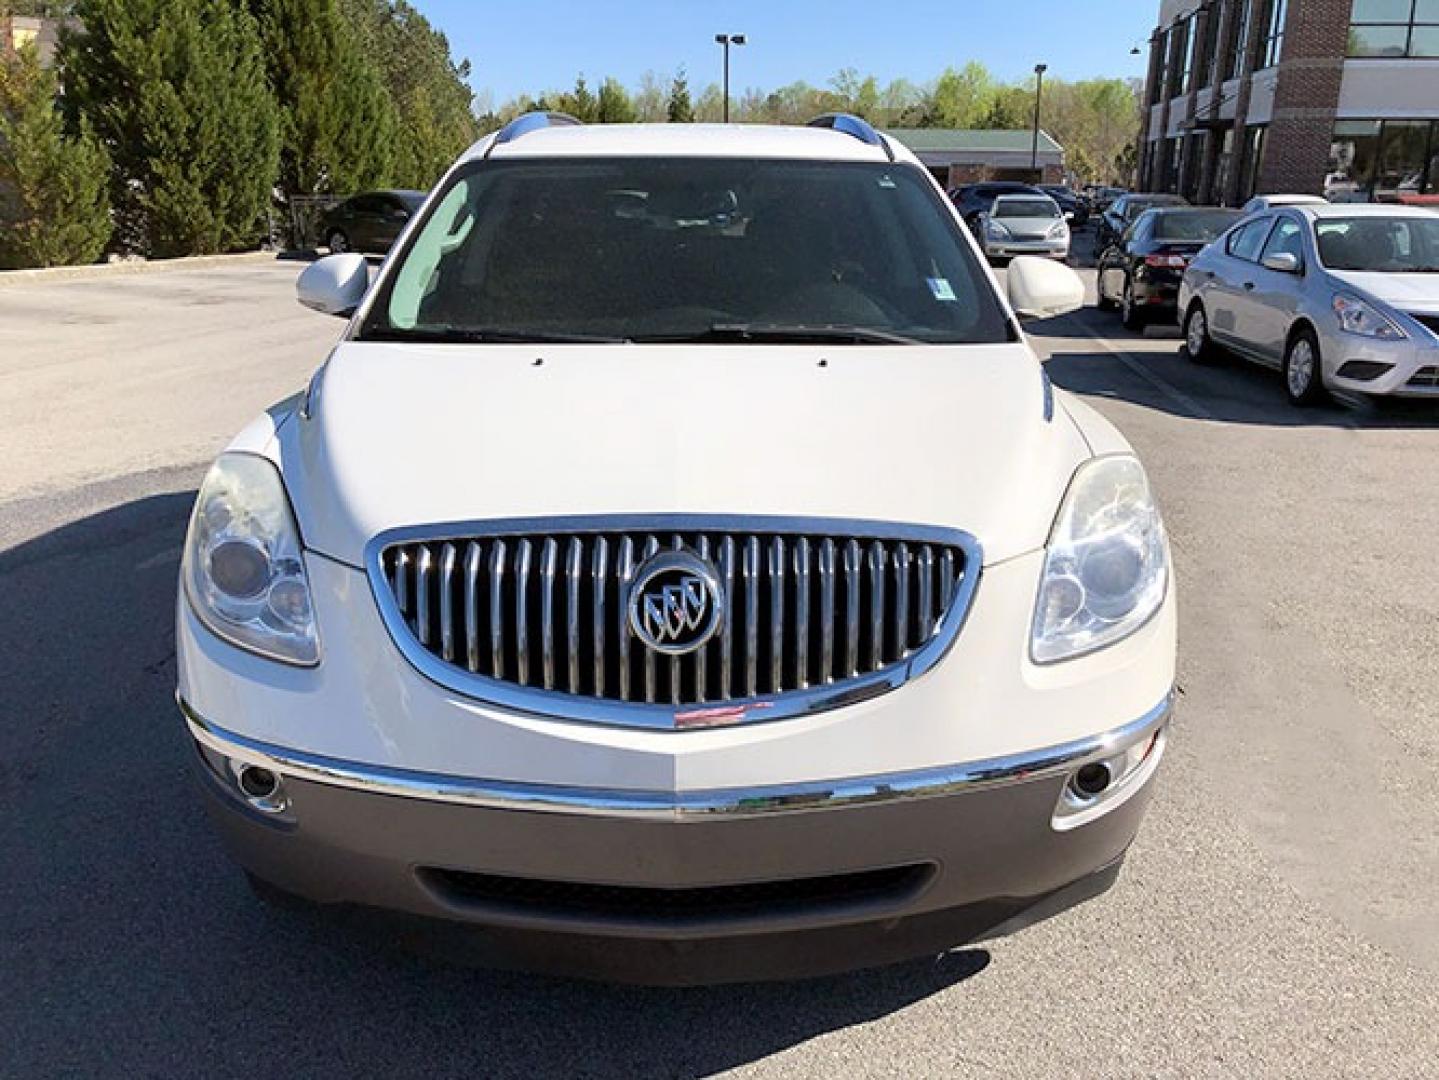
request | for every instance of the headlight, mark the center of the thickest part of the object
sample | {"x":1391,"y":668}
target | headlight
{"x":1106,"y":569}
{"x":244,"y":570}
{"x":1358,"y":317}
{"x":995,"y":231}
{"x":1058,"y":231}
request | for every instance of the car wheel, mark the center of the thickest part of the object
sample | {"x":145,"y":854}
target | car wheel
{"x":1303,"y":374}
{"x":1129,"y":312}
{"x":337,"y":242}
{"x":1198,"y":345}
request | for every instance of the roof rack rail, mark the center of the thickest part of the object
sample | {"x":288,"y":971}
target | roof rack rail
{"x":530,"y":121}
{"x":854,"y":126}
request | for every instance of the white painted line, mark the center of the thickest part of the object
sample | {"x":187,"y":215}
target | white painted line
{"x":1168,"y":389}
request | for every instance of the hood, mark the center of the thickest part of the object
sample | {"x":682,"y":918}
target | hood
{"x":406,"y":435}
{"x":1407,"y":292}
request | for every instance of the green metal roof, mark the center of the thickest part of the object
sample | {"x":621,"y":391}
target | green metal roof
{"x":953,"y":141}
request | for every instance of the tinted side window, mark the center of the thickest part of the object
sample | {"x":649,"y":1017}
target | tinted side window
{"x":1245,"y":243}
{"x":1285,"y":240}
{"x":366,"y":204}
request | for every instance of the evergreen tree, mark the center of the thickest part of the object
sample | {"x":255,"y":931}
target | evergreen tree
{"x":614,"y":105}
{"x":680,"y":110}
{"x":176,"y":90}
{"x":338,"y":120}
{"x":427,"y":88}
{"x":54,"y":198}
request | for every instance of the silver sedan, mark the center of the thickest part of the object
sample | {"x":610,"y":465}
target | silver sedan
{"x":1336,"y":297}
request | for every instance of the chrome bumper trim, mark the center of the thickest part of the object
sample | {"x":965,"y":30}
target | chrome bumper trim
{"x":677,"y":805}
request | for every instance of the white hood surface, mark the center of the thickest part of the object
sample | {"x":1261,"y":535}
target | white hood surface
{"x":1407,"y":292}
{"x":430,"y":434}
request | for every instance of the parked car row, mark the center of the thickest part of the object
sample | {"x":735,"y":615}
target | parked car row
{"x":1335,"y":297}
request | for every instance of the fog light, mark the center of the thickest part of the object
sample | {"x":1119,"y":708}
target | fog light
{"x":1097,"y":787}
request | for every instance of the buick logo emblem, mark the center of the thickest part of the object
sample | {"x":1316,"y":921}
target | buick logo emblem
{"x":675,"y":605}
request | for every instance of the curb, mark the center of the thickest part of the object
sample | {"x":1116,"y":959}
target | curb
{"x":50,"y":274}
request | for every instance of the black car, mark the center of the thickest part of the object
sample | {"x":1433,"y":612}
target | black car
{"x":1071,"y":202}
{"x":972,"y":200}
{"x":1140,"y":274}
{"x":1124,"y":211}
{"x":370,"y":222}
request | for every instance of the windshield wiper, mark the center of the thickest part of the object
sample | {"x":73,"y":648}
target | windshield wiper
{"x":761,"y":333}
{"x":447,"y":333}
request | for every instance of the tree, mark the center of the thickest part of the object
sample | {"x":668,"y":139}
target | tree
{"x":176,"y":91}
{"x":650,"y":99}
{"x":339,"y":122}
{"x":614,"y":105}
{"x":857,"y":95}
{"x":962,"y":99}
{"x":579,"y":102}
{"x":679,"y":110}
{"x":427,"y":88}
{"x":54,"y":198}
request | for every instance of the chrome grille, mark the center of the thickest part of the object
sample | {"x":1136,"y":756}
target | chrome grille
{"x":535,"y":615}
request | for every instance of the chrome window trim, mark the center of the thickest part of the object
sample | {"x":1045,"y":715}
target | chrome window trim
{"x":560,"y":705}
{"x":817,"y":795}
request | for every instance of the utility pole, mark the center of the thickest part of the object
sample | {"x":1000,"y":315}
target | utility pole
{"x":727,"y":40}
{"x":1039,"y":70}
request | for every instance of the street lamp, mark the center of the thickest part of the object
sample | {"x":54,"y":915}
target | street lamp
{"x":1039,"y":70}
{"x":727,"y":40}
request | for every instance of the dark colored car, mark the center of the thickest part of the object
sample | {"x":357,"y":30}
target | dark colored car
{"x":1125,"y":211}
{"x":369,"y":222}
{"x":1070,"y":201}
{"x":972,"y":200}
{"x":1140,"y":274}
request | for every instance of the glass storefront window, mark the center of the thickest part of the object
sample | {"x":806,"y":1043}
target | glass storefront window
{"x":1385,"y":161}
{"x":1252,"y":161}
{"x":1394,"y":28}
{"x":1235,"y":47}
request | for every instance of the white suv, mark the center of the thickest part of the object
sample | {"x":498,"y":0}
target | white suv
{"x":682,"y":545}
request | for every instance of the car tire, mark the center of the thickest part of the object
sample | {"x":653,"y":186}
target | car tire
{"x":1303,"y":372}
{"x":337,"y":242}
{"x":1198,"y":345}
{"x":1130,"y":313}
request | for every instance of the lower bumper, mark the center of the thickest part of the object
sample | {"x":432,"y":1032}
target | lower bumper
{"x":1010,"y":251}
{"x":785,"y":883}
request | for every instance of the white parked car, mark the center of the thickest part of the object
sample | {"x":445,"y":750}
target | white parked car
{"x":1336,"y":297}
{"x":683,"y":570}
{"x":1260,"y":203}
{"x":1025,"y":225}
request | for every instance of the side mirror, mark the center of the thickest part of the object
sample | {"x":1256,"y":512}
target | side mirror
{"x":334,"y":285}
{"x":1283,"y":262}
{"x":1041,"y":289}
{"x":399,"y":214}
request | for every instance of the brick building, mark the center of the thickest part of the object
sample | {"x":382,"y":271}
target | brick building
{"x":958,"y":157}
{"x":1329,"y":97}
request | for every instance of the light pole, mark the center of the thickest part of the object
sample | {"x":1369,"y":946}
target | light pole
{"x":727,"y":40}
{"x":1039,"y":70}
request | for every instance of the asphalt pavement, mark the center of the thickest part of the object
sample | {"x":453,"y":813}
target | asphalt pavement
{"x":1278,"y":916}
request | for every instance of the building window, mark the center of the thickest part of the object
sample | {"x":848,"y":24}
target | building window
{"x":1251,"y":162}
{"x":1385,"y":161}
{"x":1191,"y":42}
{"x":1182,"y":42}
{"x":1209,"y":54}
{"x":1240,"y":34}
{"x":1161,"y":71}
{"x":1394,"y":28}
{"x":1271,"y":45}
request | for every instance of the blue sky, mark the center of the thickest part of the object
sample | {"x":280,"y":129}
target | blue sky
{"x":529,"y":46}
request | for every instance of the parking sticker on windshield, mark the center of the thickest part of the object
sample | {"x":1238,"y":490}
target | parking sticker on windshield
{"x":942,"y":289}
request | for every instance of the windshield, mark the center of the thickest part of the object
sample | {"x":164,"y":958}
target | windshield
{"x":1381,"y":245}
{"x":1193,"y":227}
{"x":1026,"y":208}
{"x":671,"y":249}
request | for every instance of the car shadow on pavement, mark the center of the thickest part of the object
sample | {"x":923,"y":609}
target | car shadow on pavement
{"x":130,"y":946}
{"x":1153,"y":370}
